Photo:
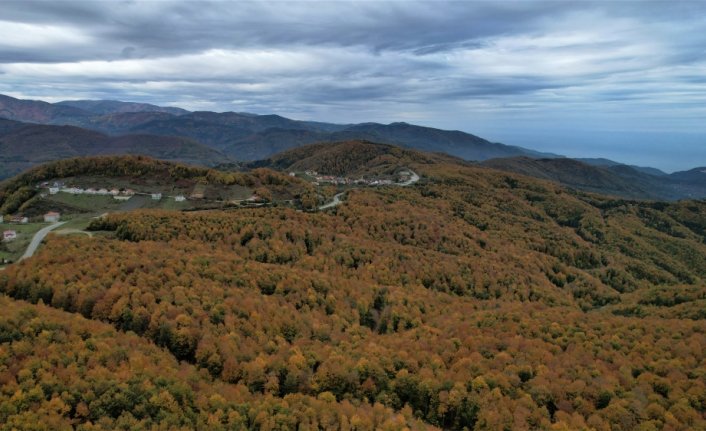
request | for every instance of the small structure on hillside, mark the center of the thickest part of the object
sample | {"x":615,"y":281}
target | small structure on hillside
{"x":114,"y":192}
{"x":103,"y":192}
{"x":18,"y":219}
{"x":52,"y":217}
{"x":179,"y":198}
{"x":53,"y":190}
{"x":157,"y":196}
{"x":9,"y":235}
{"x":2,"y":219}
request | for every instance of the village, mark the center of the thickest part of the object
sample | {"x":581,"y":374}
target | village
{"x":319,"y":179}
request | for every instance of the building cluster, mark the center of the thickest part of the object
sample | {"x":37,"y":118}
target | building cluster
{"x":331,"y":179}
{"x":117,"y":194}
{"x":11,"y":234}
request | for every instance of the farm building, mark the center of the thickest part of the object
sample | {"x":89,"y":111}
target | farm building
{"x":52,"y":216}
{"x":9,"y":235}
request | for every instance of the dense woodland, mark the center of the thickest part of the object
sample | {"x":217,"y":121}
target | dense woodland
{"x":474,"y":299}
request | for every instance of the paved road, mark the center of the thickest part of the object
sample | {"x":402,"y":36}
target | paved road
{"x":413,"y":179}
{"x":334,"y":202}
{"x":337,"y":198}
{"x":38,"y":238}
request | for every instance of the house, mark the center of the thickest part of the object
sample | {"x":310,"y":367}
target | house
{"x":292,"y":174}
{"x":114,"y":192}
{"x":122,"y":198}
{"x":2,"y":219}
{"x":52,"y":216}
{"x":179,"y":198}
{"x":19,"y":219}
{"x":74,"y":190}
{"x":102,"y":192}
{"x":91,"y":191}
{"x":9,"y":235}
{"x":156,"y":196}
{"x":128,"y":192}
{"x":53,"y":190}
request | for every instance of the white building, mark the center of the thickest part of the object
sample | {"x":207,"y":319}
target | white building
{"x":156,"y":196}
{"x":52,"y":216}
{"x":53,"y":190}
{"x":179,"y":198}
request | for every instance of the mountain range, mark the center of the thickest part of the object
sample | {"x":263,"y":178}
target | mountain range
{"x":245,"y":136}
{"x":91,"y":127}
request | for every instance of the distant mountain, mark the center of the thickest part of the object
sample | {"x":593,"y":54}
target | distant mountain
{"x":454,"y":142}
{"x":102,"y":107}
{"x":34,"y":111}
{"x":610,"y":178}
{"x":25,"y":145}
{"x":609,"y":163}
{"x":247,"y":136}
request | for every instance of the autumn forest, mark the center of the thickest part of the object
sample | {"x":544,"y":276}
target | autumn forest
{"x":474,"y":299}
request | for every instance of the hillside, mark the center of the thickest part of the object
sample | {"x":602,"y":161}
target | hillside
{"x":473,"y":299}
{"x":34,"y":111}
{"x":25,"y":145}
{"x":104,"y":107}
{"x":206,"y":188}
{"x":609,"y":178}
{"x":350,"y":158}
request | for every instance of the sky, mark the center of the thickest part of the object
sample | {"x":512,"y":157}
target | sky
{"x":624,"y":80}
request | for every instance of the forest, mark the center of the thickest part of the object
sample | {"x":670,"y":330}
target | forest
{"x":474,"y":300}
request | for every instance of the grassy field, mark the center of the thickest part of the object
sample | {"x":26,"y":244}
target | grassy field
{"x":88,"y":203}
{"x":13,"y":250}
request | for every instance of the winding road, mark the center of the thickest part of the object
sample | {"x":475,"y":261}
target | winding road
{"x":336,"y":201}
{"x":38,"y":238}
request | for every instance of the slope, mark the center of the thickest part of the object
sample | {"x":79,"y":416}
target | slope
{"x":27,"y":145}
{"x":611,"y":179}
{"x":34,"y":111}
{"x":103,"y":107}
{"x":475,"y":298}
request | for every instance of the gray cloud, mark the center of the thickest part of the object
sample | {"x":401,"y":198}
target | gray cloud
{"x":475,"y":66}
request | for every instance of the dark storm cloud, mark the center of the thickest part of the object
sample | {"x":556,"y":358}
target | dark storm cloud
{"x":441,"y":63}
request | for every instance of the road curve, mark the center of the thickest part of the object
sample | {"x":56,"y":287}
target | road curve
{"x":334,"y":202}
{"x":38,"y":238}
{"x":413,"y":179}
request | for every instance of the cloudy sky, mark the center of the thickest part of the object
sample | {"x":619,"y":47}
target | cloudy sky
{"x":621,"y":79}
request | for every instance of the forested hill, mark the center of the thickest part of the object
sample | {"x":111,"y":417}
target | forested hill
{"x":473,"y":299}
{"x":610,"y":178}
{"x":351,"y":158}
{"x":25,"y":145}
